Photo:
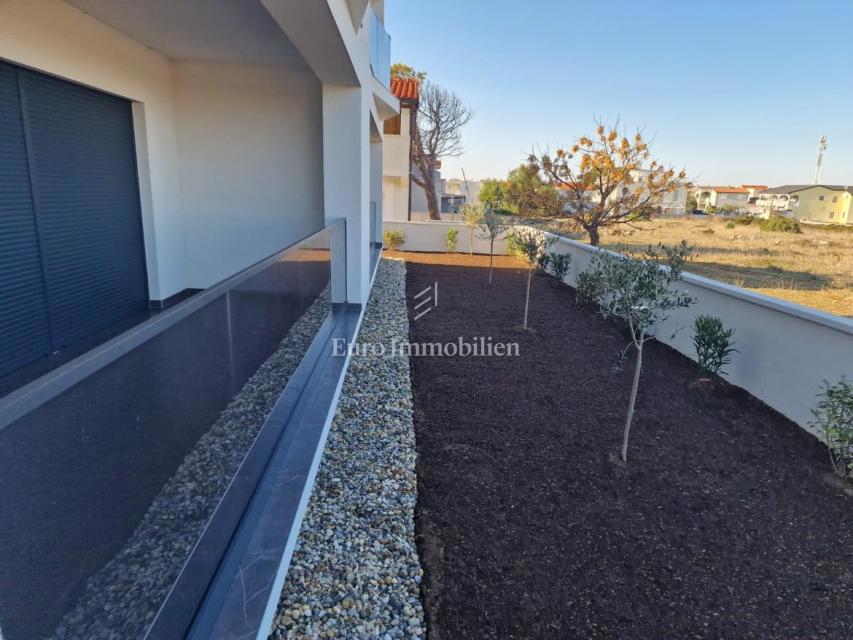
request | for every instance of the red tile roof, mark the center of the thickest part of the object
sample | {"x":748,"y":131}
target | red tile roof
{"x":730,"y":189}
{"x":405,"y":89}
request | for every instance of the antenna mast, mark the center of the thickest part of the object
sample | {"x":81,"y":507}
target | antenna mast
{"x":821,"y":147}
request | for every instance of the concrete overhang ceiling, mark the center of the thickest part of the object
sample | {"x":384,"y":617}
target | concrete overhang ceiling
{"x":237,"y":31}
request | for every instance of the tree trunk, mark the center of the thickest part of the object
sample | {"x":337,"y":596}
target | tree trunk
{"x":491,"y":259}
{"x":634,"y":386}
{"x":471,"y":242}
{"x":432,"y":204}
{"x":527,"y":296}
{"x":593,"y":236}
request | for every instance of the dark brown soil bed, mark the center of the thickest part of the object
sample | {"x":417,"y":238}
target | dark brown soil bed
{"x":721,"y":525}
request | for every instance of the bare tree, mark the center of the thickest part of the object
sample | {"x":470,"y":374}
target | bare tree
{"x":609,"y":179}
{"x":438,"y":134}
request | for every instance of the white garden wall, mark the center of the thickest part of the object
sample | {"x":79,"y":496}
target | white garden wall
{"x":432,"y":236}
{"x":785,"y":351}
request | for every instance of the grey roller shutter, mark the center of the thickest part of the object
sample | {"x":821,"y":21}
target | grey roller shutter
{"x":24,"y":329}
{"x":72,"y":258}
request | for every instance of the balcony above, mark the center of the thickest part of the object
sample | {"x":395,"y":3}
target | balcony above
{"x":380,"y":49}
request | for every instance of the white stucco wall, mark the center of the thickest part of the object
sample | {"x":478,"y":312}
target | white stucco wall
{"x":785,"y":350}
{"x":250,"y":143}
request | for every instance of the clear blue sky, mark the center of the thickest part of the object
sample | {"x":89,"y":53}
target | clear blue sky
{"x":736,"y":92}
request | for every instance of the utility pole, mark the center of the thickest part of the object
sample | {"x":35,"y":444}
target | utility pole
{"x":467,"y":189}
{"x":821,"y":147}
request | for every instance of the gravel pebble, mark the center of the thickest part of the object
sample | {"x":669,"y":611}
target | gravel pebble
{"x":355,"y":572}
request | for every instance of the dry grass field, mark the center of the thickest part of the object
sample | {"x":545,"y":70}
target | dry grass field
{"x":814,"y":268}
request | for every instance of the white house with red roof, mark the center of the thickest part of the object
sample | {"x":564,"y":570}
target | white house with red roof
{"x":729,"y":198}
{"x":397,"y":151}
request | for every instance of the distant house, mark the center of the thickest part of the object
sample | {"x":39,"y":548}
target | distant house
{"x":469,"y":189}
{"x":809,"y":202}
{"x":721,"y":198}
{"x":670,"y":203}
{"x":397,"y":150}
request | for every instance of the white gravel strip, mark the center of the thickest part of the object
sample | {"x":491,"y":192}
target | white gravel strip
{"x":355,"y":572}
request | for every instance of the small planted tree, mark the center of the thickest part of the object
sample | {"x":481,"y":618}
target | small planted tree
{"x":834,"y":418}
{"x":639,"y":293}
{"x":451,"y":238}
{"x":492,"y":227}
{"x":713,"y":344}
{"x":472,"y":215}
{"x":529,"y":245}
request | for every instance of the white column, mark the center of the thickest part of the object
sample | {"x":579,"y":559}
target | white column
{"x":346,"y":180}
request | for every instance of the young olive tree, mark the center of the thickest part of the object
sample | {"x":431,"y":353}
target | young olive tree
{"x":639,"y":292}
{"x":530,"y":245}
{"x":492,"y":227}
{"x":472,"y":214}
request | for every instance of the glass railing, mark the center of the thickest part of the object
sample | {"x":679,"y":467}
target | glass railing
{"x":132,"y":480}
{"x":380,"y":50}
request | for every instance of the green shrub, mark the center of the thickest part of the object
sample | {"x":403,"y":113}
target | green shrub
{"x":834,"y":417}
{"x":743,"y":219}
{"x":780,"y":224}
{"x":394,"y":239}
{"x":713,"y":344}
{"x":730,"y":225}
{"x":450,"y":240}
{"x":560,"y":264}
{"x":587,"y":286}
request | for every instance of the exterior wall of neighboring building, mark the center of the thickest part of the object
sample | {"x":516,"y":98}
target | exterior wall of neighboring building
{"x":820,"y":204}
{"x":809,"y":203}
{"x":470,"y":189}
{"x":675,"y":202}
{"x":720,"y":199}
{"x":671,"y":203}
{"x":395,"y":179}
{"x":420,"y":209}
